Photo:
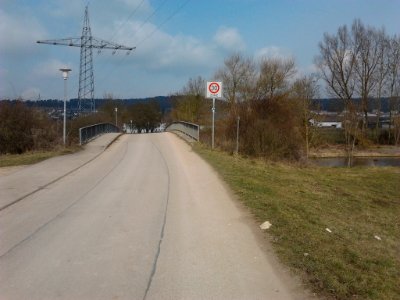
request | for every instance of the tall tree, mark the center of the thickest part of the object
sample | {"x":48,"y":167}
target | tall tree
{"x":274,"y":77}
{"x":107,"y":109}
{"x":393,"y":81}
{"x":381,"y":76}
{"x":305,"y":89}
{"x":238,"y":76}
{"x":194,"y":86}
{"x":336,"y":63}
{"x":367,"y":42}
{"x":145,"y":116}
{"x":189,"y":104}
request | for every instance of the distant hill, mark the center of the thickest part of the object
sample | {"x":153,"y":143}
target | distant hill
{"x":163,"y":101}
{"x":336,"y":105}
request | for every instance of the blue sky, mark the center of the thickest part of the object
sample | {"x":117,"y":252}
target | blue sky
{"x":175,"y":39}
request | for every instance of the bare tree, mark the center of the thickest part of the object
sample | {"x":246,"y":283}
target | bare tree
{"x":107,"y":108}
{"x":367,"y":41}
{"x":275,"y":74}
{"x":195,"y":87}
{"x":352,"y":132}
{"x":393,"y":82}
{"x":336,"y":63}
{"x":305,"y":90}
{"x":190,"y":101}
{"x":381,"y":76}
{"x":238,"y":76}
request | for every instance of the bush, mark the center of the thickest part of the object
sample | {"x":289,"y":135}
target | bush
{"x":268,"y":128}
{"x":23,"y":129}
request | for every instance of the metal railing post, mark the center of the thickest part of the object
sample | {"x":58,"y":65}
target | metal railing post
{"x":90,"y":132}
{"x":189,"y":129}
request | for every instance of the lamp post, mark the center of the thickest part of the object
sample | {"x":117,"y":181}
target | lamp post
{"x":65,"y":76}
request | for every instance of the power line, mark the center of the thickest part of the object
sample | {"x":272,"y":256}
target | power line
{"x":86,"y":42}
{"x":127,"y":19}
{"x":141,"y":25}
{"x":164,"y":22}
{"x":173,"y":14}
{"x":148,"y":18}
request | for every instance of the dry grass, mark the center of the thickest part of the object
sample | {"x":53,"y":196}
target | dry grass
{"x":28,"y":158}
{"x":360,"y":258}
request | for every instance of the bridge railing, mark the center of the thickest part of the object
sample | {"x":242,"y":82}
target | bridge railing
{"x":88,"y":133}
{"x":189,"y":129}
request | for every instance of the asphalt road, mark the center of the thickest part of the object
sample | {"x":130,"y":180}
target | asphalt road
{"x":147,"y":219}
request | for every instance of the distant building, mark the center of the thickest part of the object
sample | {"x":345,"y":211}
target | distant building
{"x":327,"y":121}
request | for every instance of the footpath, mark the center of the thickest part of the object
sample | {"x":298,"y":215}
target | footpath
{"x":30,"y":179}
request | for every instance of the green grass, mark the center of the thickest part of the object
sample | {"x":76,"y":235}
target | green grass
{"x":28,"y":158}
{"x":301,"y":202}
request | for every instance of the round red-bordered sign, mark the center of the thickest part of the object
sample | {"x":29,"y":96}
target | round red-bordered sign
{"x":214,"y":87}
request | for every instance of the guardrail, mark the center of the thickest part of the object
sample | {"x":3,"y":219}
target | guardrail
{"x":189,"y":129}
{"x":88,"y":133}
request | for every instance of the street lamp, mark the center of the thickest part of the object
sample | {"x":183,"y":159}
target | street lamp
{"x":65,"y":76}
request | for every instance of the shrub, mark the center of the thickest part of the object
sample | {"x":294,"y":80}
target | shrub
{"x":23,"y":129}
{"x":268,"y":128}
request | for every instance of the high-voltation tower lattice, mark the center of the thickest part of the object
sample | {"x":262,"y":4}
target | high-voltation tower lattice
{"x":87,"y":43}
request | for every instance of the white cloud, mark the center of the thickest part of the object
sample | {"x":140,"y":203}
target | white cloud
{"x":31,"y":93}
{"x":18,"y":34}
{"x":157,"y":50}
{"x":163,"y":57}
{"x":178,"y":52}
{"x":229,"y":39}
{"x":272,"y":52}
{"x":307,"y":70}
{"x":65,"y":9}
{"x":50,"y":68}
{"x":137,"y":4}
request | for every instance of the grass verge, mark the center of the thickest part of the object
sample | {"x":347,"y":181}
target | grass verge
{"x":28,"y":158}
{"x":360,"y":257}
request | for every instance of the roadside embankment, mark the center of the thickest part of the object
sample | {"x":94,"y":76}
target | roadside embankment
{"x":339,"y":228}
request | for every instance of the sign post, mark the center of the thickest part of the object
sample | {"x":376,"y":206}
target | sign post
{"x":214,"y":90}
{"x":237,"y":134}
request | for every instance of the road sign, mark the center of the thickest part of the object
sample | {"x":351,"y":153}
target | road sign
{"x":214,"y":89}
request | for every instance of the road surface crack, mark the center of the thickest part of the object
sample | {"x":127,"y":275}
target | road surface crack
{"x":154,"y":269}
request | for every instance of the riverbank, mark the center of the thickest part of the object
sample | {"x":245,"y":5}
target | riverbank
{"x":339,"y":151}
{"x":333,"y":226}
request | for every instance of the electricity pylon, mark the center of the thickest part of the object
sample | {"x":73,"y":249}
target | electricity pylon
{"x":87,"y":43}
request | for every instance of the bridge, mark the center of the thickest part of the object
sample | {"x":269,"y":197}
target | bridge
{"x":134,"y":216}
